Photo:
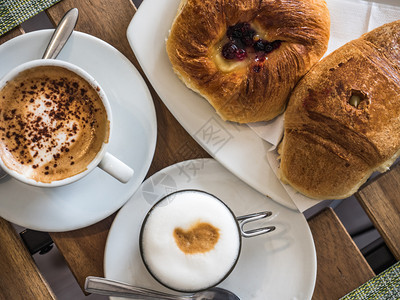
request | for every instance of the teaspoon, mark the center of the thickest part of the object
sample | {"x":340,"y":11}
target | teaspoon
{"x":61,"y":34}
{"x":108,"y":287}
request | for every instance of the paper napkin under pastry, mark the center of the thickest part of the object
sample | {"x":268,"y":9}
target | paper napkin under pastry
{"x":349,"y":20}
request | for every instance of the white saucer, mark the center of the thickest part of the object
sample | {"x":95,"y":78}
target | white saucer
{"x":278,"y":265}
{"x":98,"y":195}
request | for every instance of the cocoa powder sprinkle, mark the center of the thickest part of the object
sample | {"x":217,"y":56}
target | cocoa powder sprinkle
{"x":51,"y":108}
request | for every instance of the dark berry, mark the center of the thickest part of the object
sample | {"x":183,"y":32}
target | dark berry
{"x":259,"y":46}
{"x":234,"y":32}
{"x":268,"y":47}
{"x":247,"y":38}
{"x":237,"y":33}
{"x":229,"y":50}
{"x":247,"y":41}
{"x":241,"y":36}
{"x":241,"y":32}
{"x":241,"y":54}
{"x":245,"y":27}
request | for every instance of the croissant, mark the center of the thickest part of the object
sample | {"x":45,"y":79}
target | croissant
{"x":246,"y":56}
{"x":342,"y":121}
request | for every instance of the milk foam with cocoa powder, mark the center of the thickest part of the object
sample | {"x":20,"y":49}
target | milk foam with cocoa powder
{"x":190,"y":241}
{"x":52,"y":123}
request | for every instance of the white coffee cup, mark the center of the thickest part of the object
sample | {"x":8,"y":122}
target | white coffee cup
{"x":103,"y":159}
{"x":190,"y":240}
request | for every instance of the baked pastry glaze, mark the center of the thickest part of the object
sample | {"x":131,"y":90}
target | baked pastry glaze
{"x":342,"y":122}
{"x":255,"y":84}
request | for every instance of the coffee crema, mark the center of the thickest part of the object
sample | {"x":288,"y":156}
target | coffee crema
{"x":52,"y":123}
{"x":190,"y":241}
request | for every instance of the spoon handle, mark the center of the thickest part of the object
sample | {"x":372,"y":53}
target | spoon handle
{"x":108,"y":287}
{"x":61,"y":34}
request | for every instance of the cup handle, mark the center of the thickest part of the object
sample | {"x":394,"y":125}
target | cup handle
{"x":243,"y":220}
{"x":116,"y":168}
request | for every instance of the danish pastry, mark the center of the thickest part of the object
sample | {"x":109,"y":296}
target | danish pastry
{"x":246,"y":56}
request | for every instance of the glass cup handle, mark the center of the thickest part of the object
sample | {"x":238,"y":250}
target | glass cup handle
{"x":116,"y":168}
{"x":243,"y":220}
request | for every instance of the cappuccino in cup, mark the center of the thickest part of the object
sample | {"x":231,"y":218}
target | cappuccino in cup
{"x":190,"y":241}
{"x":52,"y":123}
{"x":55,"y":124}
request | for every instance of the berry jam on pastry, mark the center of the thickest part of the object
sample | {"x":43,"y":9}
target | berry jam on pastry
{"x":243,"y":40}
{"x":246,"y":56}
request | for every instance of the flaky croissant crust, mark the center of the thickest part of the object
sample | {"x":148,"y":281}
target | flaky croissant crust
{"x":330,"y":145}
{"x":243,"y":95}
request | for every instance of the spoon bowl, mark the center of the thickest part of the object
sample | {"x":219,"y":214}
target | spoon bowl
{"x":108,"y":287}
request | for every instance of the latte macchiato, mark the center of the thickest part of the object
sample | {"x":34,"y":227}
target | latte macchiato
{"x":53,"y":123}
{"x":190,"y":241}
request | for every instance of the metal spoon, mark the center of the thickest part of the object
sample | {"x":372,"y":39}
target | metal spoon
{"x":108,"y":287}
{"x":58,"y":40}
{"x":61,"y":34}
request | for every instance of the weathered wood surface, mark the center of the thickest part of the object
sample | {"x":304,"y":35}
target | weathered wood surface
{"x":380,"y":198}
{"x":19,"y":275}
{"x":340,"y":265}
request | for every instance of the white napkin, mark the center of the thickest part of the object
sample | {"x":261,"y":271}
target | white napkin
{"x":349,"y":20}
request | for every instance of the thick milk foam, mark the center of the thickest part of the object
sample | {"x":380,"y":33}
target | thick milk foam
{"x":171,"y":264}
{"x":52,"y":123}
{"x":43,"y":153}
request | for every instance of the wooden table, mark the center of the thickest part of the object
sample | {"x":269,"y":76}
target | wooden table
{"x":341,"y":266}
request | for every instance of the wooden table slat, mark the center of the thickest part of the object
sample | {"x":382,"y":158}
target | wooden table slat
{"x":381,"y":201}
{"x":340,"y":265}
{"x":83,"y":249}
{"x":11,"y":34}
{"x":19,"y":275}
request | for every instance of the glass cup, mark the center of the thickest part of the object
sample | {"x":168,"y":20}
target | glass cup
{"x":190,"y":240}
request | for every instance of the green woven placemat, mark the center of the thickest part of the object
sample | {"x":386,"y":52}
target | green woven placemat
{"x":385,"y":286}
{"x":14,"y":12}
